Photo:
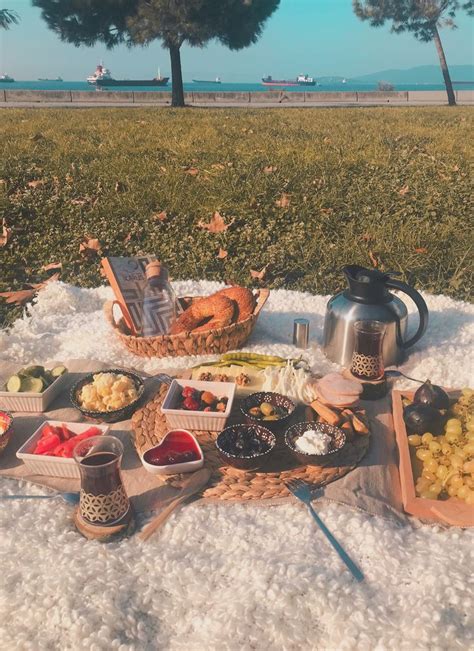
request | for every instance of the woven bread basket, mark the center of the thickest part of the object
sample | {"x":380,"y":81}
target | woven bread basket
{"x":210,"y":342}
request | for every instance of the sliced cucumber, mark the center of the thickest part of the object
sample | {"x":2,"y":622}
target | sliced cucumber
{"x":58,"y":370}
{"x":33,"y":371}
{"x":32,"y":384}
{"x":14,"y":384}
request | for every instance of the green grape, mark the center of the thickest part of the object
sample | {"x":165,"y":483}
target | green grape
{"x":468,"y":466}
{"x":427,"y":438}
{"x":456,"y":481}
{"x":428,"y":495}
{"x":423,"y":483}
{"x":428,"y":474}
{"x":470,"y":498}
{"x":442,"y":472}
{"x":434,"y":447}
{"x":456,"y":461}
{"x":436,"y":487}
{"x":452,"y":491}
{"x":414,"y":440}
{"x":431,"y":465}
{"x":463,"y":492}
{"x":453,"y":422}
{"x":446,"y":449}
{"x":423,"y":454}
{"x":452,"y":437}
{"x":469,"y":448}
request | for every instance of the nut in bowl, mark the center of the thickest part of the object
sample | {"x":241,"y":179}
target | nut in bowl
{"x":268,"y":409}
{"x":246,"y":447}
{"x":314,"y":444}
{"x":108,"y":396}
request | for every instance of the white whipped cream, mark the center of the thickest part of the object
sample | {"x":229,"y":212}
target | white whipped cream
{"x":313,"y":442}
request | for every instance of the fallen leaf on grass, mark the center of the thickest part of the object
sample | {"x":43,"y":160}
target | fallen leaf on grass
{"x":269,"y":169}
{"x":259,"y":275}
{"x":160,"y":216}
{"x":404,"y":190}
{"x":421,"y":250}
{"x":120,"y":186}
{"x":192,"y":171}
{"x":367,"y":237}
{"x":35,"y":184}
{"x":89,"y":246}
{"x":6,"y":232}
{"x":373,"y":259}
{"x":22,"y":296}
{"x":327,"y":140}
{"x":216,"y":225}
{"x":52,"y":265}
{"x":127,"y":238}
{"x":283,"y":201}
{"x":222,"y":254}
{"x":218,"y":166}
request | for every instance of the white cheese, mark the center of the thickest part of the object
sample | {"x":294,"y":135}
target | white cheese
{"x":313,"y":442}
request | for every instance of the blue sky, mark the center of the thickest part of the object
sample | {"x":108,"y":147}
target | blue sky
{"x":318,"y":37}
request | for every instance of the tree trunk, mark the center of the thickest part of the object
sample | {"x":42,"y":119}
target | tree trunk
{"x":177,"y":92}
{"x":444,"y":67}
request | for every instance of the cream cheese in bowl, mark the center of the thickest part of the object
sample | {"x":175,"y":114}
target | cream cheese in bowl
{"x":313,"y":442}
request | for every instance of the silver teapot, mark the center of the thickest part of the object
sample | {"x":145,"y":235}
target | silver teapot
{"x":368,"y":298}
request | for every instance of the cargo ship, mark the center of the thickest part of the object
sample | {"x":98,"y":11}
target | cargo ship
{"x":301,"y":80}
{"x":6,"y":79}
{"x":48,"y":79}
{"x":102,"y":77}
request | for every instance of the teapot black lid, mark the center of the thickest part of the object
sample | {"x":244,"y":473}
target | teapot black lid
{"x":366,"y":285}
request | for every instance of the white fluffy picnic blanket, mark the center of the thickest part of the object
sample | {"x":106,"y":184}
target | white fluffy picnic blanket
{"x":235,"y":577}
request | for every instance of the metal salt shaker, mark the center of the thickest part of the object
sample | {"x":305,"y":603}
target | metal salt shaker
{"x":301,"y":333}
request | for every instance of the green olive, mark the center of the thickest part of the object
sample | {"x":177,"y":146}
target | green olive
{"x":255,"y":411}
{"x":267,"y":409}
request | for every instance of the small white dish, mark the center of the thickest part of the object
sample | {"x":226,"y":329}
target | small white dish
{"x":30,"y":401}
{"x":174,"y":468}
{"x":42,"y":464}
{"x":197,"y":420}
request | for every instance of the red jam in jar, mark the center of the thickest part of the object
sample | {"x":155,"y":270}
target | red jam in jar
{"x":177,"y":447}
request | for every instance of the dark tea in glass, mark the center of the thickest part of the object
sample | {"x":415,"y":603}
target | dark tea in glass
{"x":103,"y":500}
{"x":367,"y":358}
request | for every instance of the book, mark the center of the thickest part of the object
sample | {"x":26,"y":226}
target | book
{"x":128,"y":280}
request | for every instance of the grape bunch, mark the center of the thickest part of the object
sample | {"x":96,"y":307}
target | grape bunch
{"x":448,"y":460}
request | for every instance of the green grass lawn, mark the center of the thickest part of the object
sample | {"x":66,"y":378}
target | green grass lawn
{"x":389,"y":185}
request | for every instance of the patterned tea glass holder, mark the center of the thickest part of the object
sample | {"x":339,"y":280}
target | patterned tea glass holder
{"x":103,"y":500}
{"x":367,"y":358}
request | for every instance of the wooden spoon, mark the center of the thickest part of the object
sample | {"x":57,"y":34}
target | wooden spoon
{"x":193,"y":485}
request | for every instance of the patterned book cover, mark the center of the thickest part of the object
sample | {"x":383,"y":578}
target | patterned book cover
{"x":127,"y":278}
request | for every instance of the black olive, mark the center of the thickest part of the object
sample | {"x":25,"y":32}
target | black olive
{"x":432,"y":395}
{"x":420,"y":418}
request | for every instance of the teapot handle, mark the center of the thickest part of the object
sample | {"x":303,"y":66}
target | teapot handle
{"x":420,"y":304}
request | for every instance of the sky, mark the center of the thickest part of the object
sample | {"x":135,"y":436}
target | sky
{"x":315,"y":37}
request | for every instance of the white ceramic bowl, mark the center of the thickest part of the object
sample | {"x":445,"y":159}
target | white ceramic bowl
{"x":212,"y":421}
{"x":29,"y":401}
{"x":42,"y":464}
{"x":174,"y":468}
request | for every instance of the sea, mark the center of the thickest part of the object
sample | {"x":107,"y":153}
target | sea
{"x":222,"y":87}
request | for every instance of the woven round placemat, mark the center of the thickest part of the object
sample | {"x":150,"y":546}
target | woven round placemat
{"x":229,"y":484}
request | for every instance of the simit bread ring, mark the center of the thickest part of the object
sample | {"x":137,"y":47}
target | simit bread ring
{"x":243,"y":297}
{"x":205,"y":314}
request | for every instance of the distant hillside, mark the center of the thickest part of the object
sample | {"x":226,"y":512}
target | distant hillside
{"x":419,"y":75}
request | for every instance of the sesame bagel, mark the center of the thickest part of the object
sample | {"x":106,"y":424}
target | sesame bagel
{"x":244,"y":299}
{"x":205,"y":314}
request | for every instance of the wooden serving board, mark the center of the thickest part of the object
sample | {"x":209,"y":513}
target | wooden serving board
{"x":268,"y":484}
{"x":451,"y":511}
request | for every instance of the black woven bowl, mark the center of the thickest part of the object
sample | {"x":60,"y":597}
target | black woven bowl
{"x":108,"y":416}
{"x":275,"y":399}
{"x":338,"y":440}
{"x":243,"y":462}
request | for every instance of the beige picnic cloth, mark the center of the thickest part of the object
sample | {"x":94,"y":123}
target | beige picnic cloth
{"x":373,"y":486}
